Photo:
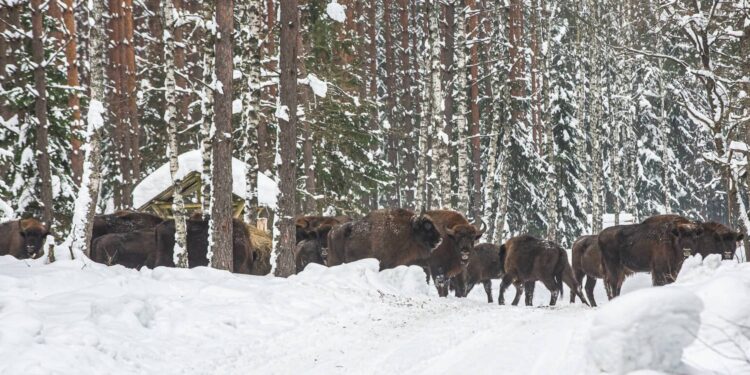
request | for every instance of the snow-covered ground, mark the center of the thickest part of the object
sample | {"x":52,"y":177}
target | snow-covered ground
{"x":78,"y":317}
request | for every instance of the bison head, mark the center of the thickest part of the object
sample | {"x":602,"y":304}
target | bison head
{"x":425,"y":231}
{"x":463,"y":237}
{"x":308,"y":251}
{"x":34,"y":234}
{"x":719,"y":239}
{"x":686,"y":236}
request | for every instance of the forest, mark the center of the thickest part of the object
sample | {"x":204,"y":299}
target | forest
{"x":532,"y":116}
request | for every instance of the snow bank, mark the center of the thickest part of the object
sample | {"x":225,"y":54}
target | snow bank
{"x":698,"y":324}
{"x":647,"y":329}
{"x":191,"y":161}
{"x":336,"y":11}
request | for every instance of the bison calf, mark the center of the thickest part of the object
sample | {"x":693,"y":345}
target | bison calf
{"x":528,"y":259}
{"x":23,"y":238}
{"x":132,"y":250}
{"x":484,"y":265}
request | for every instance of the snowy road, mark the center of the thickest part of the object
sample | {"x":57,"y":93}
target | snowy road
{"x":81,"y":318}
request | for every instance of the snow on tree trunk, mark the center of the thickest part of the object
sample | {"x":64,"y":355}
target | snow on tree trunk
{"x":88,"y":195}
{"x":220,"y":224}
{"x":425,"y":129}
{"x":251,"y":101}
{"x":173,"y":121}
{"x":40,"y":111}
{"x":74,"y":100}
{"x":287,"y":116}
{"x":664,"y":127}
{"x":461,"y":110}
{"x":441,"y":175}
{"x":597,"y":204}
{"x":207,"y":110}
{"x":408,"y":106}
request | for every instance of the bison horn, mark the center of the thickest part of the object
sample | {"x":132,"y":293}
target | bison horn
{"x":450,"y":231}
{"x":482,"y":227}
{"x":302,"y":223}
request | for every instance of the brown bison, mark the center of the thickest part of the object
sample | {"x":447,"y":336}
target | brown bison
{"x":484,"y":265}
{"x":657,"y":245}
{"x":124,"y":221}
{"x":197,"y":244}
{"x":132,"y":250}
{"x":528,"y":259}
{"x":717,"y":239}
{"x":395,"y":237}
{"x":308,"y":251}
{"x":587,"y":262}
{"x":23,"y":238}
{"x":456,"y":247}
{"x":317,"y":227}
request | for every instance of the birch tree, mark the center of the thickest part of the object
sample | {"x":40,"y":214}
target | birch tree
{"x":172,"y":19}
{"x":251,"y":100}
{"x":461,"y":110}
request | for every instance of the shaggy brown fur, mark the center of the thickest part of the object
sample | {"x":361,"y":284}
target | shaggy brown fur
{"x":456,"y":247}
{"x":317,"y":227}
{"x":132,"y":250}
{"x":529,"y":259}
{"x":197,"y":244}
{"x":484,"y":265}
{"x":395,"y":237}
{"x":306,"y":252}
{"x":23,"y":238}
{"x":123,"y":222}
{"x":658,"y":245}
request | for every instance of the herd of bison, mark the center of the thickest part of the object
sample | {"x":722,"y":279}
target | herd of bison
{"x":442,"y":242}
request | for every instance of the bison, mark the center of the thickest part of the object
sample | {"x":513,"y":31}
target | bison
{"x":23,"y":238}
{"x":717,"y":239}
{"x":395,"y":237}
{"x":657,"y":245}
{"x":197,"y":244}
{"x":317,"y":227}
{"x":484,"y":265}
{"x":456,"y":247}
{"x":587,"y":261}
{"x":123,"y":222}
{"x":306,"y":252}
{"x":132,"y":250}
{"x":528,"y":259}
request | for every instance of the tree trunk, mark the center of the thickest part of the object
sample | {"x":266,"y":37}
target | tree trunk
{"x":251,"y":104}
{"x":309,"y":204}
{"x":447,"y":30}
{"x":266,"y":146}
{"x":441,"y":175}
{"x":40,"y":111}
{"x":131,"y":94}
{"x":287,"y":138}
{"x":597,"y":188}
{"x":391,"y":132}
{"x":74,"y":100}
{"x":407,"y":105}
{"x":476,"y":152}
{"x":220,"y":225}
{"x":461,"y":110}
{"x":88,"y":195}
{"x":207,"y":109}
{"x":372,"y":58}
{"x":174,"y":123}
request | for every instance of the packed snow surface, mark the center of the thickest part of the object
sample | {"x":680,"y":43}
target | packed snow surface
{"x":78,"y":317}
{"x":191,"y":161}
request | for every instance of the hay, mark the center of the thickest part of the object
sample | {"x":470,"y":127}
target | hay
{"x":262,"y":243}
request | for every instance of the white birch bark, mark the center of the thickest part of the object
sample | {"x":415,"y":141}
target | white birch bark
{"x":596,"y":118}
{"x":173,"y":124}
{"x":425,"y":133}
{"x":251,"y":105}
{"x":461,"y":109}
{"x":441,"y":175}
{"x":88,"y":195}
{"x":207,"y":110}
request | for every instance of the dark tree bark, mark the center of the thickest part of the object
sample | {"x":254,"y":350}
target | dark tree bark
{"x":40,"y":110}
{"x":309,"y":205}
{"x":476,"y":152}
{"x":74,"y":100}
{"x":221,"y":189}
{"x":287,"y":138}
{"x":409,"y":163}
{"x":133,"y":129}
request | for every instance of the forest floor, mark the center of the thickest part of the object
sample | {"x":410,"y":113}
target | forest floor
{"x":78,"y":317}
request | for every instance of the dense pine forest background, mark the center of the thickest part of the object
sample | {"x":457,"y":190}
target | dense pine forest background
{"x":534,"y":115}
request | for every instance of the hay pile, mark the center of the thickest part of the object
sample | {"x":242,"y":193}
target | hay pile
{"x":262,"y":243}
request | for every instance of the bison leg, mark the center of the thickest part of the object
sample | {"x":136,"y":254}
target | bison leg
{"x":507,"y":280}
{"x":529,"y":288}
{"x":590,"y":284}
{"x":488,"y":289}
{"x":460,"y":285}
{"x":553,"y":288}
{"x":579,"y":277}
{"x":519,"y":292}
